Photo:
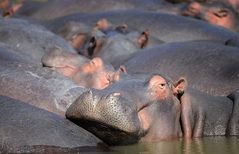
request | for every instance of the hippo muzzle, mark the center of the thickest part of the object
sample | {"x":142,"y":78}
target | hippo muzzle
{"x":111,"y":117}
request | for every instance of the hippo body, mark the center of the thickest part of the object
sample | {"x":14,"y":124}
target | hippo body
{"x":209,"y":67}
{"x":206,"y":115}
{"x":50,"y":9}
{"x":160,"y":25}
{"x":8,"y":54}
{"x":38,"y":86}
{"x":28,"y":129}
{"x":31,"y":39}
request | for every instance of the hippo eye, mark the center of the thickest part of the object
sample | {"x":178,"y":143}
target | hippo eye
{"x":162,"y":85}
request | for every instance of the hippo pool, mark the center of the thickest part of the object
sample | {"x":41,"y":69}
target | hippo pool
{"x":212,"y":145}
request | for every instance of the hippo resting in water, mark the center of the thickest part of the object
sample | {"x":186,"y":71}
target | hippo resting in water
{"x":27,"y":129}
{"x":137,"y":110}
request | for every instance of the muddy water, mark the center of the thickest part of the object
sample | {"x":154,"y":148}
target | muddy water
{"x":207,"y":145}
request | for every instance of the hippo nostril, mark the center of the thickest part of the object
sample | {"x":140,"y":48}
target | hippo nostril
{"x":116,"y":94}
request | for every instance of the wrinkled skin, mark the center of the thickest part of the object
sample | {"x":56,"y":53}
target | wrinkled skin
{"x":217,"y":13}
{"x":158,"y":24}
{"x":208,"y":67}
{"x":88,"y":73}
{"x":31,"y":39}
{"x":38,"y":86}
{"x":27,"y":129}
{"x":206,"y":115}
{"x":131,"y":111}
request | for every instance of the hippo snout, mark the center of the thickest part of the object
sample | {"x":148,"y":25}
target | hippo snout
{"x":111,"y":117}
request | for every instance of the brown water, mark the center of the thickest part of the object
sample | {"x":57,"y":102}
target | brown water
{"x":206,"y":145}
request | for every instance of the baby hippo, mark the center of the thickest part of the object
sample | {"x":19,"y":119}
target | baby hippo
{"x":88,"y":73}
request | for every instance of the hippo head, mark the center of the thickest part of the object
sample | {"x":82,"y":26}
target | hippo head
{"x":88,"y":73}
{"x":221,"y":15}
{"x":130,"y":111}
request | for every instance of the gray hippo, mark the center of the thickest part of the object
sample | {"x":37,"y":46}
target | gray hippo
{"x":208,"y":67}
{"x":31,"y":39}
{"x":28,"y":129}
{"x":126,"y":112}
{"x":8,"y":54}
{"x":161,"y":26}
{"x":50,"y":9}
{"x":130,"y":111}
{"x":38,"y":86}
{"x":206,"y":115}
{"x":93,"y":73}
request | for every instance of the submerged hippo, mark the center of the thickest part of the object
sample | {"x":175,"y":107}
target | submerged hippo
{"x":28,"y":129}
{"x":131,"y":111}
{"x":208,"y":67}
{"x":38,"y":86}
{"x":161,"y":26}
{"x":88,"y":73}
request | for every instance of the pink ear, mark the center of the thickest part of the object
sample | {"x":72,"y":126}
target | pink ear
{"x":180,"y":86}
{"x":96,"y":62}
{"x":102,"y":24}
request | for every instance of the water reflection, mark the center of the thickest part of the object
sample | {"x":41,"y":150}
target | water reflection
{"x":206,"y":145}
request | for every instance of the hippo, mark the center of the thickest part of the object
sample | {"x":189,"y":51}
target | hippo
{"x":120,"y":43}
{"x":120,"y":114}
{"x":31,"y":39}
{"x":88,"y":73}
{"x":206,"y":115}
{"x":28,"y":129}
{"x":40,"y":87}
{"x":217,"y":13}
{"x":160,"y":25}
{"x":131,"y":111}
{"x":8,"y":54}
{"x":50,"y":9}
{"x":209,"y":67}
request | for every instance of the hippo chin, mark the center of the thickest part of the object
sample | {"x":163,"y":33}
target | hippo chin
{"x":130,"y":111}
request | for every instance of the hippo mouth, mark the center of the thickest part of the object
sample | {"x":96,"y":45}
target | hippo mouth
{"x":109,"y":134}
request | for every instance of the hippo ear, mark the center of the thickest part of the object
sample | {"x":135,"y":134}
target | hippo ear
{"x":143,"y":39}
{"x":180,"y":86}
{"x":77,"y":40}
{"x":14,"y":8}
{"x":96,"y":62}
{"x":121,"y":70}
{"x":157,"y":87}
{"x":102,"y":24}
